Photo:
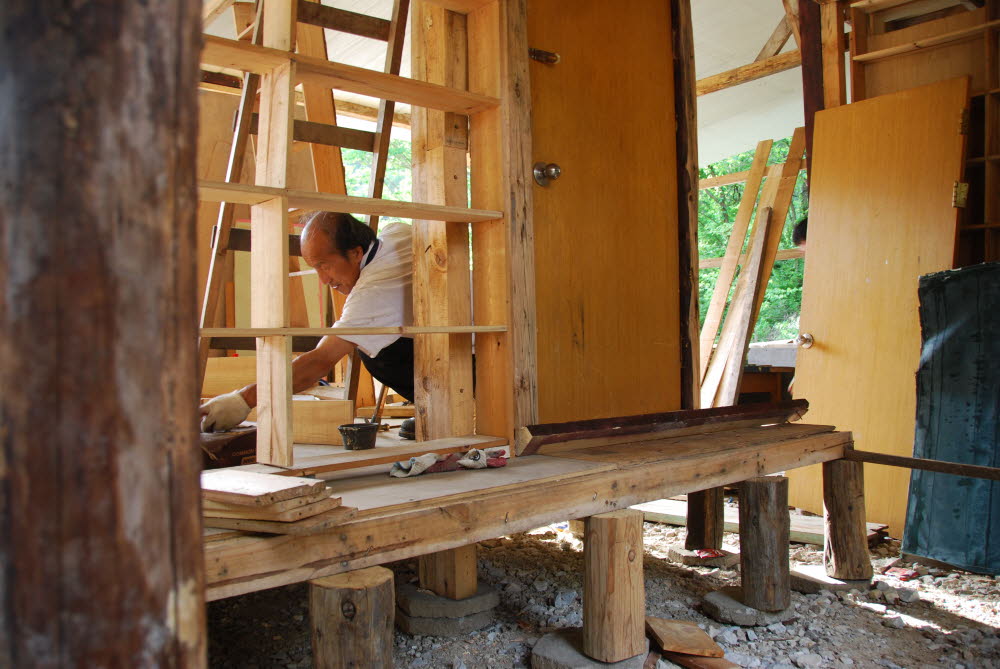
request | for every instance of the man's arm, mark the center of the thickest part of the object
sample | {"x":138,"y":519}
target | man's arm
{"x":309,"y":368}
{"x":227,"y":411}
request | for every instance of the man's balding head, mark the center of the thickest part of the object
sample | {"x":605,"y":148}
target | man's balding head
{"x":330,"y":232}
{"x":334,"y":245}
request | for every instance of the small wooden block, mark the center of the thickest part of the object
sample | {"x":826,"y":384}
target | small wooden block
{"x":680,"y":636}
{"x":313,"y":525}
{"x":697,"y":662}
{"x":252,"y":489}
{"x":286,"y":505}
{"x":265,"y":513}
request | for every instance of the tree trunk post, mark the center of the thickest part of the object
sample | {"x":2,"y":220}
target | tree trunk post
{"x":101,"y":561}
{"x":705,"y":519}
{"x":764,"y":529}
{"x":614,"y":594}
{"x":845,"y":542}
{"x":452,"y":573}
{"x":352,"y":618}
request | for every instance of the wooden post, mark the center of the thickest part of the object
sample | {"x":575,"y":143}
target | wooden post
{"x":614,"y":595}
{"x":100,"y":530}
{"x":812,"y":68}
{"x":451,"y":573}
{"x":845,"y":543}
{"x":352,"y":617}
{"x":764,"y":528}
{"x":705,"y":519}
{"x":833,"y":40}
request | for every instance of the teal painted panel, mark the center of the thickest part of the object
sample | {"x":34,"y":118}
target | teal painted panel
{"x":950,"y":518}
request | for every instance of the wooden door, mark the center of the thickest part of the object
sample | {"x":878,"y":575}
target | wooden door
{"x":880,"y":216}
{"x":606,"y":230}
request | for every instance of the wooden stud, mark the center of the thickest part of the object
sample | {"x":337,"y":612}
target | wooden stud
{"x":845,"y":549}
{"x":792,"y":16}
{"x":451,"y":573}
{"x":834,"y":79}
{"x":717,"y":305}
{"x":269,"y":306}
{"x":441,"y":276}
{"x":100,"y":539}
{"x":859,"y":45}
{"x":614,"y":594}
{"x":352,"y":617}
{"x":705,"y":519}
{"x":764,"y":529}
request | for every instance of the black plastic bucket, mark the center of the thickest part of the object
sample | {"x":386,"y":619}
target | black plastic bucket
{"x":359,"y":436}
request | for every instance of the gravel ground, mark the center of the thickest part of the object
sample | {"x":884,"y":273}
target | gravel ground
{"x":952,"y":620}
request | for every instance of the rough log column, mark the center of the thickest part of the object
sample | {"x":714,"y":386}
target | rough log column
{"x":764,"y":529}
{"x":352,"y":617}
{"x":441,"y":290}
{"x":845,"y":545}
{"x":614,"y":595}
{"x":99,"y":493}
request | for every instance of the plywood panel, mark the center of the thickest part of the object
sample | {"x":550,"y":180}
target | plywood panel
{"x":880,"y":216}
{"x":605,"y":232}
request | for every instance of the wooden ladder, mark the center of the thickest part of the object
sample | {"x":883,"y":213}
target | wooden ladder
{"x":269,"y":60}
{"x":325,"y":138}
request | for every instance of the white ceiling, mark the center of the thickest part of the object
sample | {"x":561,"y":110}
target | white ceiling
{"x":727,"y":34}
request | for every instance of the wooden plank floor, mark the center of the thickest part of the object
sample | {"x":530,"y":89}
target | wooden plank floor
{"x":404,"y":518}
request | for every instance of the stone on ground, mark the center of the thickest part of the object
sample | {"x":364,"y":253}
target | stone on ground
{"x":810,"y":579}
{"x":677,"y":553}
{"x":725,"y":606}
{"x":563,"y":649}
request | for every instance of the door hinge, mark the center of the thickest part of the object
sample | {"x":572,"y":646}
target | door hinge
{"x":963,"y":127}
{"x":960,"y":194}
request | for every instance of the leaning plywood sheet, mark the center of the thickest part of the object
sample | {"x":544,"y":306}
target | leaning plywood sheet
{"x":880,"y":216}
{"x":250,"y":488}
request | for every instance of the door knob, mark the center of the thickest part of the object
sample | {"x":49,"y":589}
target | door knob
{"x":805,"y":340}
{"x":546,"y":173}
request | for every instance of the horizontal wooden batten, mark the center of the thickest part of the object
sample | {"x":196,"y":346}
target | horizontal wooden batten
{"x":740,"y":177}
{"x":217,"y":191}
{"x":342,"y":20}
{"x":926,"y":43}
{"x":755,"y":70}
{"x":240,"y":240}
{"x":940,"y":466}
{"x":461,"y":6}
{"x":328,"y":135}
{"x":299,"y":344}
{"x":231,"y":54}
{"x":783,"y":254}
{"x":307,"y":332}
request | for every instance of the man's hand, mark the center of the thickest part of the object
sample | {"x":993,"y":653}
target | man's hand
{"x":224,"y":412}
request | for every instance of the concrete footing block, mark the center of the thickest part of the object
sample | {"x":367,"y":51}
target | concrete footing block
{"x":563,"y":649}
{"x":677,"y":553}
{"x":727,"y":607}
{"x":446,"y":627}
{"x":811,"y":579}
{"x":415,"y":601}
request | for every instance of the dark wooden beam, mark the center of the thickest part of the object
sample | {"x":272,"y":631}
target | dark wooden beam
{"x":101,"y":561}
{"x":239,"y":240}
{"x":343,"y":21}
{"x":329,"y":135}
{"x":299,"y":344}
{"x":657,"y":425}
{"x":686,"y":116}
{"x":811,"y":48}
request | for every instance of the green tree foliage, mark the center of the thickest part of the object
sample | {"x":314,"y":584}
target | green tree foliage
{"x":398,"y":184}
{"x":779,"y":315}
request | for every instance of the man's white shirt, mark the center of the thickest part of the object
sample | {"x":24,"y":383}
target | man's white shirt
{"x":383,"y":295}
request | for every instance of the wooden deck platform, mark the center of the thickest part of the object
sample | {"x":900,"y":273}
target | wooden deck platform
{"x":403,"y":518}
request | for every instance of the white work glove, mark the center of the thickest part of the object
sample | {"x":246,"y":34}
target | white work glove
{"x":224,"y":412}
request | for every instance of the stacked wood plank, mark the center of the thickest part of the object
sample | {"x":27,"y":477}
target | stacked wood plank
{"x":269,"y":503}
